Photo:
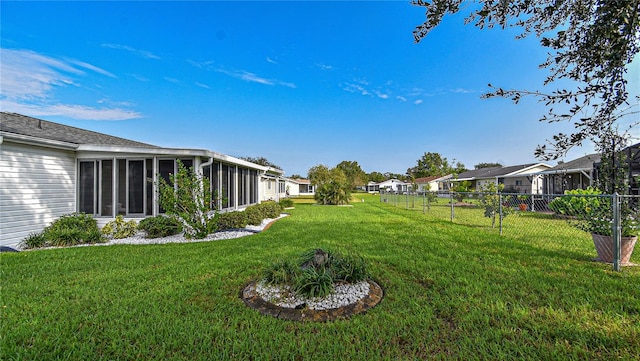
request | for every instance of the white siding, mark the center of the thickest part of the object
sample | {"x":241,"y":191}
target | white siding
{"x":37,"y":185}
{"x":269,"y":189}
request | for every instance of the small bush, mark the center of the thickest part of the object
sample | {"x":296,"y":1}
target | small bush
{"x":281,"y":272}
{"x":286,"y":203}
{"x":34,"y":240}
{"x":270,"y":209}
{"x":315,"y":272}
{"x":349,"y":268}
{"x":232,"y":220}
{"x":254,"y":215}
{"x":68,"y":230}
{"x":577,"y":202}
{"x":119,"y":228}
{"x":160,"y":226}
{"x":314,"y":282}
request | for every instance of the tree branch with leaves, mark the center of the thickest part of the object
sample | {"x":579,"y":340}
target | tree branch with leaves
{"x":590,"y":42}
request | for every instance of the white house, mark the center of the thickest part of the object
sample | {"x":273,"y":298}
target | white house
{"x":49,"y":169}
{"x":432,"y":184}
{"x":298,"y":187}
{"x":390,"y":185}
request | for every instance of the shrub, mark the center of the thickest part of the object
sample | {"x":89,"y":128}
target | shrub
{"x":189,"y":200}
{"x":34,"y":240}
{"x":160,"y":226}
{"x":577,"y":202}
{"x":316,"y":271}
{"x":349,"y":268}
{"x":68,"y":230}
{"x":254,"y":215}
{"x":281,"y":272}
{"x":286,"y":203}
{"x":314,"y":282}
{"x":332,"y":193}
{"x":232,"y":220}
{"x":119,"y":228}
{"x":269,"y":209}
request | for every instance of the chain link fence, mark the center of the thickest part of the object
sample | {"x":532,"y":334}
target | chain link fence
{"x":568,"y":222}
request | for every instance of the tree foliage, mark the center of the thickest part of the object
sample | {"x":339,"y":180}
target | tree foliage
{"x":434,"y":164}
{"x":589,"y":42}
{"x":355,"y":175}
{"x":486,"y":165}
{"x":376,"y":177}
{"x":261,"y":161}
{"x":319,"y":174}
{"x":332,"y":185}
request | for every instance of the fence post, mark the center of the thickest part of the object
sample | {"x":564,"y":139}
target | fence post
{"x":451,"y":202}
{"x":616,"y":231}
{"x":424,"y":196}
{"x":500,"y":209}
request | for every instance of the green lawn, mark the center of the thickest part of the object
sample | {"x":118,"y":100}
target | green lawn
{"x":452,"y":291}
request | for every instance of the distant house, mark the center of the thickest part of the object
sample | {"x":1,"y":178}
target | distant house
{"x":576,"y":174}
{"x":390,"y":185}
{"x":523,"y":178}
{"x":49,"y":169}
{"x":433,"y":183}
{"x":582,"y":172}
{"x":297,"y":187}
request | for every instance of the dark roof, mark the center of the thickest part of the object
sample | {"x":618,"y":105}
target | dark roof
{"x":44,"y":129}
{"x":492,"y":171}
{"x":582,"y":163}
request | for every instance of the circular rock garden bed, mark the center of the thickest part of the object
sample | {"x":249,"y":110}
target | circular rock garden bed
{"x":320,"y":286}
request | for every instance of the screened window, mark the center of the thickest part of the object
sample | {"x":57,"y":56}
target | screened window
{"x":86,"y":192}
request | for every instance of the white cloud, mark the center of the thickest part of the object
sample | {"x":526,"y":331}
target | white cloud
{"x":172,"y":80}
{"x":269,"y":60}
{"x":419,"y":101}
{"x":139,"y":77}
{"x":461,"y":90}
{"x":205,"y":86}
{"x":71,"y":110}
{"x":142,"y":53}
{"x":401,"y":98}
{"x":324,"y":66}
{"x":241,"y":74}
{"x":382,"y":95}
{"x":92,"y":68}
{"x":30,"y":82}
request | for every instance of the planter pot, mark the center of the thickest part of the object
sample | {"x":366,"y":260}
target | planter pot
{"x":604,"y":248}
{"x":522,"y":207}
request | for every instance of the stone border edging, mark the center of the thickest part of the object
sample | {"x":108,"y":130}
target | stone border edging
{"x":253,"y":300}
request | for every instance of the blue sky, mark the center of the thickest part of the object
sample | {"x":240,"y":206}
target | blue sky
{"x":300,"y":83}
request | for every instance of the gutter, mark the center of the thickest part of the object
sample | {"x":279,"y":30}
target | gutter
{"x":26,"y":139}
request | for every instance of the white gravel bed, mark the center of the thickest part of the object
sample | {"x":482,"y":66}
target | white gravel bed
{"x":343,"y":295}
{"x":179,"y":238}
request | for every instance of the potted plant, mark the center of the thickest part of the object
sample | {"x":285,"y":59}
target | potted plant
{"x":599,"y":222}
{"x":591,"y":211}
{"x":523,"y":202}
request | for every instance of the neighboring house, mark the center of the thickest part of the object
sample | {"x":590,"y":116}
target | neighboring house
{"x":298,"y":187}
{"x":432,"y":184}
{"x":49,"y":169}
{"x":582,"y":172}
{"x":525,"y":178}
{"x":390,"y":185}
{"x":372,"y":187}
{"x":576,"y":174}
